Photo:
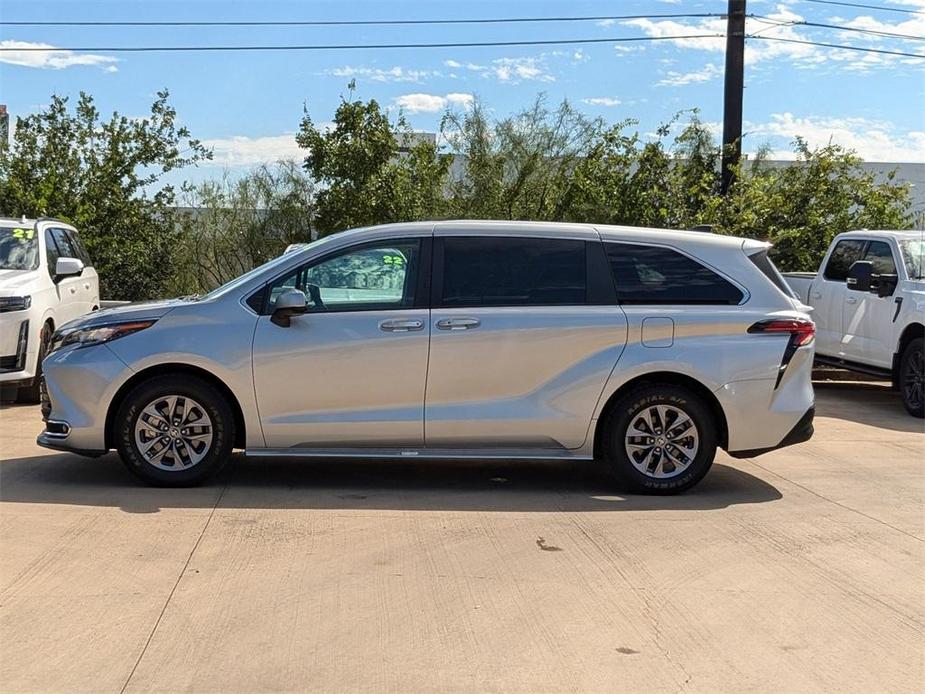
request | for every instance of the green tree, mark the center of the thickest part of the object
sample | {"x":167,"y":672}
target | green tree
{"x":801,"y":206}
{"x":103,"y":176}
{"x":370,"y":170}
{"x":236,"y":223}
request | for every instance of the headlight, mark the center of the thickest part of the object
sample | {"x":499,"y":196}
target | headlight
{"x":14,"y":303}
{"x":97,"y":334}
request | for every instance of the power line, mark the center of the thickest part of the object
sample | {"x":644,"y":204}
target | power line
{"x":871,"y":32}
{"x":837,"y":45}
{"x":360,"y":46}
{"x":357,"y":22}
{"x":864,"y":6}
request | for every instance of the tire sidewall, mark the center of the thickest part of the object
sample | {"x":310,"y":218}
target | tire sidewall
{"x":203,"y":393}
{"x":629,"y":407}
{"x":918,"y":344}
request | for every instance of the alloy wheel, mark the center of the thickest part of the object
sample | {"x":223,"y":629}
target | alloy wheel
{"x":173,"y":432}
{"x":914,"y":381}
{"x":662,"y":441}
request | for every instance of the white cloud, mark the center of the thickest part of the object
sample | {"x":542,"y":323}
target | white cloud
{"x":680,"y":79}
{"x":601,"y":101}
{"x":872,"y":140}
{"x":16,"y":53}
{"x":513,"y":70}
{"x":431,"y":103}
{"x":249,"y":151}
{"x":392,"y":74}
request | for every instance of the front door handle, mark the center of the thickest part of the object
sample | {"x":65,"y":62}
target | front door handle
{"x":458,"y":323}
{"x":852,"y":300}
{"x":401,"y":326}
{"x":817,"y":295}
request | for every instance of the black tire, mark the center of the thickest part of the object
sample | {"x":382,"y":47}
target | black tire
{"x":32,"y":393}
{"x":216,"y":408}
{"x":628,"y":410}
{"x":912,"y":378}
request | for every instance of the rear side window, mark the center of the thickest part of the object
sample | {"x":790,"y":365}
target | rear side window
{"x":842,"y":258}
{"x":881,"y":257}
{"x":492,"y":271}
{"x":656,"y":275}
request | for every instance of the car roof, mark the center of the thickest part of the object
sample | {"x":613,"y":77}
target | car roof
{"x":883,"y":233}
{"x":490,"y":227}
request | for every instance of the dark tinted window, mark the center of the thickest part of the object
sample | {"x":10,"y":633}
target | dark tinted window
{"x":491,"y":271}
{"x":881,"y":257}
{"x":843,"y":257}
{"x":63,"y":241}
{"x":78,"y":247}
{"x":654,"y":275}
{"x":51,"y":252}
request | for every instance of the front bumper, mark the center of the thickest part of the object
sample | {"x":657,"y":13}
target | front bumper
{"x":80,"y":382}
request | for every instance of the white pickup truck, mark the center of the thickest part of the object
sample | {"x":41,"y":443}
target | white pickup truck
{"x":46,"y":279}
{"x":868,"y":302}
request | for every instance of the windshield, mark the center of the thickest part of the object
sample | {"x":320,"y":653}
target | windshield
{"x":914,"y":258}
{"x":19,"y":248}
{"x":247,"y":276}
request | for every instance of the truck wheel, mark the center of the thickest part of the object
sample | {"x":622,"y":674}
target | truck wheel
{"x":174,"y":431}
{"x":32,"y":393}
{"x":659,"y":439}
{"x":912,"y":377}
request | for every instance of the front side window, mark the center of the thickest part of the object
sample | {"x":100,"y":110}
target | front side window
{"x":657,"y":275}
{"x":843,"y":257}
{"x":51,"y":252}
{"x":63,"y":241}
{"x":374,"y":277}
{"x":880,"y":255}
{"x":493,"y":271}
{"x":19,"y":248}
{"x":79,"y":248}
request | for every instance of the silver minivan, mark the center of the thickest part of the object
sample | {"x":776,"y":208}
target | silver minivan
{"x":646,"y":349}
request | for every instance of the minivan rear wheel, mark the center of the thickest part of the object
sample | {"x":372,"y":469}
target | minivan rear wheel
{"x":174,"y":431}
{"x":659,"y":439}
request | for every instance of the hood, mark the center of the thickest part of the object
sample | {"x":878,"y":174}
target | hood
{"x":15,"y":282}
{"x":136,"y":311}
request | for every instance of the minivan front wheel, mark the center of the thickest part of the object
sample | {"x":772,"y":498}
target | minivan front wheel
{"x":173,"y":431}
{"x":659,"y":439}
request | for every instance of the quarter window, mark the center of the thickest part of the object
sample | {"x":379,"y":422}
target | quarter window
{"x":493,"y":271}
{"x":657,"y":275}
{"x":373,"y":277}
{"x":842,"y":258}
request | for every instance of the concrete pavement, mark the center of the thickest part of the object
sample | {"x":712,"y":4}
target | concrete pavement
{"x":802,"y":570}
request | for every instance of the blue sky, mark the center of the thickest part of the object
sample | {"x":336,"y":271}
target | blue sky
{"x":248,"y":105}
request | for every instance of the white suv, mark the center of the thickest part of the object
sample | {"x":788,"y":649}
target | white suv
{"x":46,"y":279}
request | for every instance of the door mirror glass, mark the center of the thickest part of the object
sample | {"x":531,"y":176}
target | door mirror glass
{"x":290,"y":303}
{"x":68,"y":267}
{"x":859,"y":276}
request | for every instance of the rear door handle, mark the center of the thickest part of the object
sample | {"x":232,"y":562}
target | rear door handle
{"x":458,"y":323}
{"x":401,"y":326}
{"x":851,"y":300}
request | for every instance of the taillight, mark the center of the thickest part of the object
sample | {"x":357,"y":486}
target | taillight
{"x":801,"y":331}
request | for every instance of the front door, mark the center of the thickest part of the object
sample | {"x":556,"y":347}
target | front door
{"x":350,"y":372}
{"x":518,"y":355}
{"x":869,"y":317}
{"x":828,"y":296}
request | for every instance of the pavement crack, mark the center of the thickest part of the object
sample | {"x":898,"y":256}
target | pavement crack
{"x":173,"y":590}
{"x":837,"y":503}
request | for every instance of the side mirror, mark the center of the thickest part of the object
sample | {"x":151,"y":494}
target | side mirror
{"x":859,"y":275}
{"x":68,"y":267}
{"x":885,"y":285}
{"x":288,"y":304}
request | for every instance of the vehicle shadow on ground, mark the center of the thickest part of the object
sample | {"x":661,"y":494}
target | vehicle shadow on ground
{"x":871,"y":403}
{"x":358,"y":485}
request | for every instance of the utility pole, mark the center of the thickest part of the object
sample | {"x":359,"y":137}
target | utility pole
{"x":734,"y":86}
